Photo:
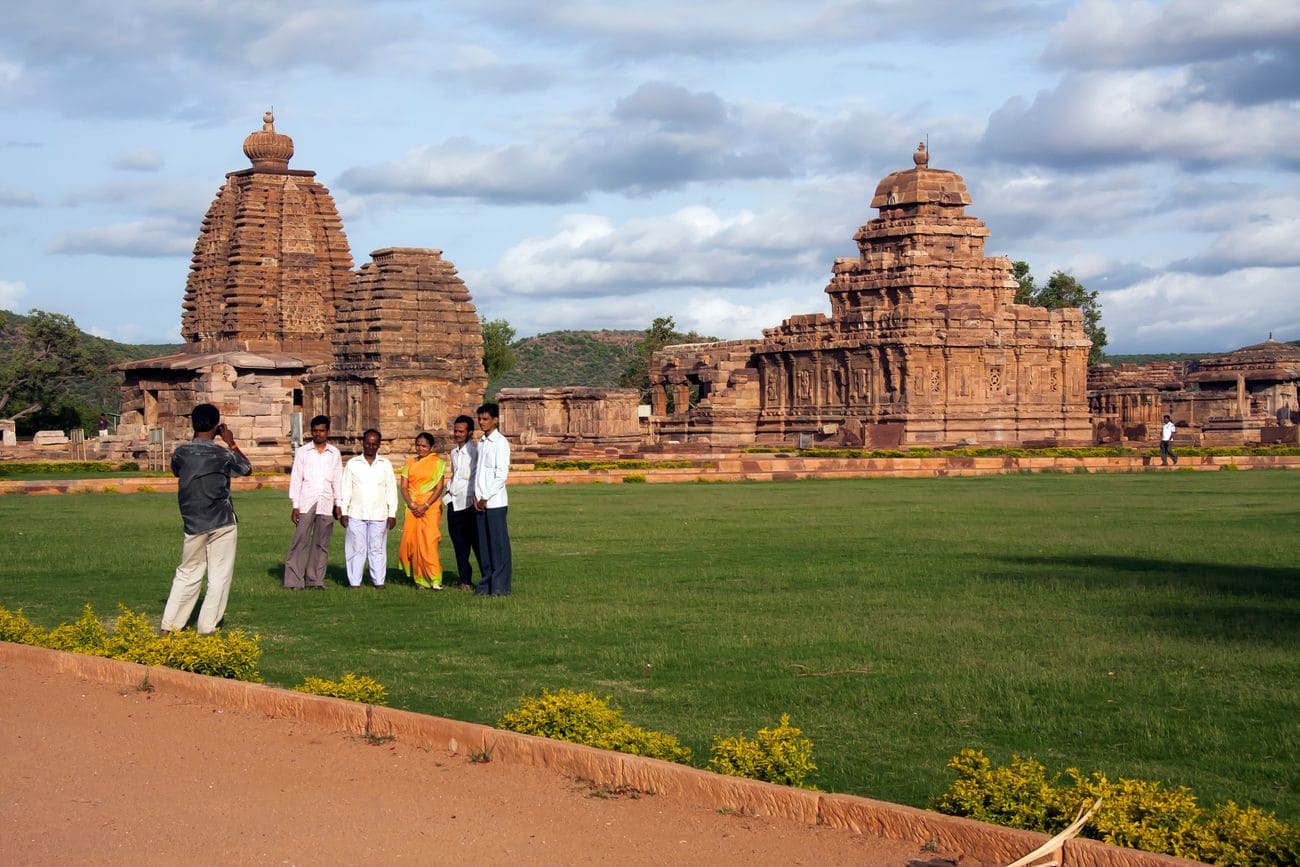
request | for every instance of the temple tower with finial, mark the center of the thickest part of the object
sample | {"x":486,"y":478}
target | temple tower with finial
{"x":278,"y":327}
{"x":924,"y":345}
{"x":271,"y":263}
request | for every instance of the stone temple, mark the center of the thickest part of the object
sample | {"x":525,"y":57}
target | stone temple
{"x":924,"y":346}
{"x":279,"y":326}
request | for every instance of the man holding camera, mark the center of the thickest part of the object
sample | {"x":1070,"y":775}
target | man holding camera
{"x":203,"y":469}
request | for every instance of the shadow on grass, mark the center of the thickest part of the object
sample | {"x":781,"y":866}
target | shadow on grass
{"x":1119,"y":571}
{"x":1221,"y":601}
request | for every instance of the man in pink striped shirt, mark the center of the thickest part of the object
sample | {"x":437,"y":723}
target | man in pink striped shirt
{"x":314,"y":489}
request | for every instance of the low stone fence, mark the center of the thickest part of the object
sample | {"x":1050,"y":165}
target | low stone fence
{"x":747,"y":468}
{"x":978,"y":843}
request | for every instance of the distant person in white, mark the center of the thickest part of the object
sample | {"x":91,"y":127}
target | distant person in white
{"x":1167,"y":442}
{"x":369,"y":510}
{"x":490,"y":471}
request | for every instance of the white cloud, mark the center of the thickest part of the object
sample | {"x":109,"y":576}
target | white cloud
{"x":1119,"y":118}
{"x":1139,"y":33}
{"x":692,"y":247}
{"x":139,"y":160}
{"x":152,"y":238}
{"x":660,"y":137}
{"x":1219,"y":312}
{"x":11,"y":197}
{"x":617,"y":31}
{"x":10,"y":292}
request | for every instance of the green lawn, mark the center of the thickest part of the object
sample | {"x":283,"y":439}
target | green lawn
{"x":1147,"y":625}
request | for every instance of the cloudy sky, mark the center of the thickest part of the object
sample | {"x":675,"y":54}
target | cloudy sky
{"x":591,"y":164}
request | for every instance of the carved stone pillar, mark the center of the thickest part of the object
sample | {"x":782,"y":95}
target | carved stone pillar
{"x":658,"y":400}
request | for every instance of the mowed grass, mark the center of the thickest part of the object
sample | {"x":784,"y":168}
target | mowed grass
{"x":1147,"y":625}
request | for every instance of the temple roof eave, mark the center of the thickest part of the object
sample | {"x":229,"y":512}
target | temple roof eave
{"x":242,"y":360}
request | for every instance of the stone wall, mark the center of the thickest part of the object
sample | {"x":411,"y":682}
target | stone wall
{"x":544,"y":422}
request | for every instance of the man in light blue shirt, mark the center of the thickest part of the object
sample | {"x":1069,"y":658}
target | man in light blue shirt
{"x":490,"y":470}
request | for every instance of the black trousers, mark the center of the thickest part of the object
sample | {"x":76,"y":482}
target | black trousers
{"x":462,"y":527}
{"x":1167,"y":452}
{"x":494,"y":551}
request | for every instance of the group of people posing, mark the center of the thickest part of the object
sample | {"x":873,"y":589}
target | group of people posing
{"x":362,"y":496}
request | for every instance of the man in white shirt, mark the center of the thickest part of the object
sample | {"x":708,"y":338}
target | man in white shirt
{"x":1167,"y":442}
{"x":369,"y":510}
{"x":490,"y":471}
{"x":314,"y":486}
{"x":462,"y":521}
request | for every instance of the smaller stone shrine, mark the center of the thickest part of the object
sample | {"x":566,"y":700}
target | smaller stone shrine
{"x":408,"y":350}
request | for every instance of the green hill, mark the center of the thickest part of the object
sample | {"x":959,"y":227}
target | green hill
{"x":85,"y":399}
{"x":591,"y":358}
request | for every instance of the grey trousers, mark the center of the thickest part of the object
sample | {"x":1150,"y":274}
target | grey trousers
{"x":309,"y":550}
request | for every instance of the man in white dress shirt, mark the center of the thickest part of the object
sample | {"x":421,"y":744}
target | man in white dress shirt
{"x":314,"y":487}
{"x":369,"y":510}
{"x":490,"y":471}
{"x":462,"y":521}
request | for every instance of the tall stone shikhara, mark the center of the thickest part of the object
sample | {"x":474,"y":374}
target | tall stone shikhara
{"x":924,"y":346}
{"x":276,"y":322}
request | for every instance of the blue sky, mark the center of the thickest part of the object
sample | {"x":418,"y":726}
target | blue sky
{"x":595,"y":165}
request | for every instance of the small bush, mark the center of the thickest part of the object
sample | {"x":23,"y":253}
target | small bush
{"x":1139,"y":814}
{"x":230,"y":654}
{"x":775,"y":755}
{"x":15,"y":627}
{"x":128,"y":467}
{"x":582,"y":718}
{"x":55,"y":467}
{"x":353,"y":687}
{"x":634,"y":479}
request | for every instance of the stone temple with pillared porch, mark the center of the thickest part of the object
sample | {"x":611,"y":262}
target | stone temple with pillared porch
{"x":924,"y":346}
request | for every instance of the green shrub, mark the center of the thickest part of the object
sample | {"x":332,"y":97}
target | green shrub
{"x":1139,"y":814}
{"x":634,"y":479}
{"x":128,"y":467}
{"x":54,"y":467}
{"x":15,"y":627}
{"x":582,"y":718}
{"x":231,"y":654}
{"x":84,"y":635}
{"x":775,"y":755}
{"x":353,"y":687}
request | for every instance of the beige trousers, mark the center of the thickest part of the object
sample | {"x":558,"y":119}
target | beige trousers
{"x":214,"y":552}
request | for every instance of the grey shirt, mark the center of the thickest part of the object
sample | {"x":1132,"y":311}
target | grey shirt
{"x":204,"y":469}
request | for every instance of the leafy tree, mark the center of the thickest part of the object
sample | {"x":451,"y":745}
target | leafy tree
{"x":498,"y":352}
{"x":43,"y":357}
{"x":662,"y":332}
{"x":1062,"y":290}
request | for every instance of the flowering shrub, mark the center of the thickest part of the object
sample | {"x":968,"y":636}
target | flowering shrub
{"x":775,"y":755}
{"x":353,"y":687}
{"x":231,"y":653}
{"x":582,"y":718}
{"x":1139,"y":814}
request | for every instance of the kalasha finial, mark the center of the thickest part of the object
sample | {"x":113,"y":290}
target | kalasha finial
{"x":267,"y":148}
{"x":922,"y":156}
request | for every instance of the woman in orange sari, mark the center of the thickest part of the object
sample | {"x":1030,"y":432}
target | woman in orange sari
{"x":421,"y":482}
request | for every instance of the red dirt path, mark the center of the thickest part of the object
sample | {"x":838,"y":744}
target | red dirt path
{"x":93,"y":774}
